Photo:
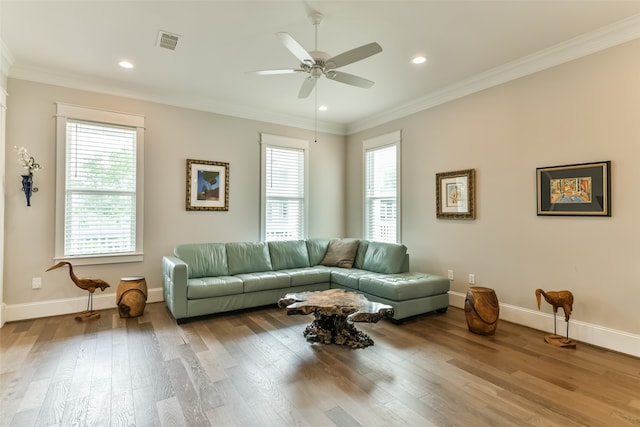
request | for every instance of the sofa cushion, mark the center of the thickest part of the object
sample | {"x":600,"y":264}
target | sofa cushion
{"x":387,"y":258}
{"x":309,"y":275}
{"x":289,"y":254}
{"x":358,"y":262}
{"x":208,"y":287}
{"x":348,"y":277}
{"x":404,"y":286}
{"x":248,"y":257}
{"x":264,"y":280}
{"x":204,"y":259}
{"x":341,"y":253}
{"x":317,"y":248}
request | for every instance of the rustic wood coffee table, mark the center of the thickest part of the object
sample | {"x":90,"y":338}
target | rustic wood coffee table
{"x":335,"y":310}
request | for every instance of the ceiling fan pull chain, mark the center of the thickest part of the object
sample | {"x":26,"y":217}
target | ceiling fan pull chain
{"x":315,"y":136}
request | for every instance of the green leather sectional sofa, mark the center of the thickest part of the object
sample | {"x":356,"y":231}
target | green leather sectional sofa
{"x":207,"y":278}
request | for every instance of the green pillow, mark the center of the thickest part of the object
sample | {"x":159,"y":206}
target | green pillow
{"x":289,"y":254}
{"x":386,"y":258}
{"x":204,"y":259}
{"x":317,"y":248}
{"x":248,"y":257}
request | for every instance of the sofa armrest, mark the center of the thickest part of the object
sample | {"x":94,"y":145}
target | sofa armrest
{"x":174,"y":285}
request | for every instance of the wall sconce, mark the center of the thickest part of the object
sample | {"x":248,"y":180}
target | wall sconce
{"x":29,"y":163}
{"x":28,"y":188}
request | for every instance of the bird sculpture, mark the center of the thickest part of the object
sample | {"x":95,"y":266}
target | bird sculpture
{"x":557,"y":299}
{"x":88,"y":284}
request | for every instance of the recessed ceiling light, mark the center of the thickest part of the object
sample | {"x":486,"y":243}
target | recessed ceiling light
{"x":322,"y":108}
{"x":419,"y":60}
{"x":125,"y":64}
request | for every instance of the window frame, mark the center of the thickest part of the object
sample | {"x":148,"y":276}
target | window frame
{"x":108,"y":118}
{"x":377,"y":143}
{"x":267,"y":140}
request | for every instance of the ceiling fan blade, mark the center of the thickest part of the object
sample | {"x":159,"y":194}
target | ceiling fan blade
{"x":349,"y":79}
{"x":274,"y":72}
{"x":295,"y":48}
{"x":353,"y":55}
{"x":307,"y":86}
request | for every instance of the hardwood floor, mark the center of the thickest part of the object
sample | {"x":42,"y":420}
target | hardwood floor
{"x":254,"y":368}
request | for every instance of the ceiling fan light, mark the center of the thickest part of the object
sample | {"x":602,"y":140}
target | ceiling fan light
{"x":420,"y":59}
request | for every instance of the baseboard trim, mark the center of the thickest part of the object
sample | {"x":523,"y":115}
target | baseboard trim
{"x":59,"y":307}
{"x":600,"y":336}
{"x":612,"y":339}
{"x":3,"y":311}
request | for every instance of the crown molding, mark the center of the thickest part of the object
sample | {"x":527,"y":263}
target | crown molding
{"x":6,"y":59}
{"x":578,"y":47}
{"x":583,"y":45}
{"x":200,"y":103}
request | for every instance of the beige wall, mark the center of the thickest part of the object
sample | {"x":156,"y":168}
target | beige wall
{"x":3,"y":101}
{"x":172,"y":135}
{"x":583,"y":111}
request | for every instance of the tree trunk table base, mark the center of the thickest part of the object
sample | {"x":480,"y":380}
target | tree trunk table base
{"x":335,"y":310}
{"x":336,"y":330}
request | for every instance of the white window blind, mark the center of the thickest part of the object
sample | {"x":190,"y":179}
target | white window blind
{"x":100,"y":196}
{"x":99,"y":185}
{"x":382,"y":191}
{"x":284,"y":188}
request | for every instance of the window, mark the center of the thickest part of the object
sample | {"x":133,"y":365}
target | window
{"x":99,"y":185}
{"x":382,"y":188}
{"x":284,"y":188}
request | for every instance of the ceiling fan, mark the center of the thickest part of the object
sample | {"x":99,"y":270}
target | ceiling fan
{"x":317,"y":63}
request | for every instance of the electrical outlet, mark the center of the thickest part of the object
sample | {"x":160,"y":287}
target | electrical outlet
{"x":472,"y":279}
{"x":36,"y":282}
{"x":450,"y":274}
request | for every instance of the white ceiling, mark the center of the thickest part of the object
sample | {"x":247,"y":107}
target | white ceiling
{"x":79,"y":43}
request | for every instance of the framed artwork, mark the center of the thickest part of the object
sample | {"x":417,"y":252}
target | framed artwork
{"x":207,"y":185}
{"x":580,"y":190}
{"x":455,"y":194}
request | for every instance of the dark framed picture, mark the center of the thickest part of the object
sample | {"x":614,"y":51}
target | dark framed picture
{"x":455,"y":194}
{"x":580,"y":190}
{"x":207,"y":185}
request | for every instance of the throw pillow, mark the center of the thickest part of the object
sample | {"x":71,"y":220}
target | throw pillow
{"x":341,"y":253}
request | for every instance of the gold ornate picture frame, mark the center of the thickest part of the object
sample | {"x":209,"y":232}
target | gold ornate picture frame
{"x":455,"y":194}
{"x":207,"y":185}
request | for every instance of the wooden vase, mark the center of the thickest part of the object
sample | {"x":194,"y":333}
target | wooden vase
{"x":131,"y":297}
{"x":482,"y":310}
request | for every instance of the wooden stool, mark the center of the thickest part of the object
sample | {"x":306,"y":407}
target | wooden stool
{"x":482,"y":310}
{"x":131,"y":297}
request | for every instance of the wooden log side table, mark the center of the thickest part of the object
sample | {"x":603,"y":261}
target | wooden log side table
{"x":481,"y":308}
{"x":131,"y":297}
{"x":335,"y":310}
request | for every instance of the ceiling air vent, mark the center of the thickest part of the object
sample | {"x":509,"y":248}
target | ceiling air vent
{"x":167,"y":40}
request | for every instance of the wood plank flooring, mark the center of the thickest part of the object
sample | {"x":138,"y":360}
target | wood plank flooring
{"x":254,"y":368}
